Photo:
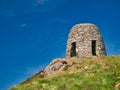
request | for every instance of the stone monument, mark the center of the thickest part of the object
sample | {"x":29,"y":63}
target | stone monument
{"x":85,"y":40}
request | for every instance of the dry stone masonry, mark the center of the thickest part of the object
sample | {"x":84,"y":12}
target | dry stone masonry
{"x":85,"y":40}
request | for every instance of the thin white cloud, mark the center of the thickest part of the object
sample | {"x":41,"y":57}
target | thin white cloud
{"x":47,"y":5}
{"x":23,"y":25}
{"x":60,"y":20}
{"x":41,"y":1}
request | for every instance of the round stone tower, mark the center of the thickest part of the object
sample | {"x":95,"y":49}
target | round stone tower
{"x":85,"y":40}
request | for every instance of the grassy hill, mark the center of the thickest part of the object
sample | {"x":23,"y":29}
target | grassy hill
{"x":92,"y":73}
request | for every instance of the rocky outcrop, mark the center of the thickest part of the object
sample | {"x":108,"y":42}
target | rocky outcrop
{"x":55,"y":65}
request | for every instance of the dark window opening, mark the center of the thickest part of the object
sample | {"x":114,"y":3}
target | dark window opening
{"x":94,"y":47}
{"x":73,"y":49}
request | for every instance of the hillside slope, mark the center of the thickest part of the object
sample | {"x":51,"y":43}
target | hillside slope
{"x":92,"y":73}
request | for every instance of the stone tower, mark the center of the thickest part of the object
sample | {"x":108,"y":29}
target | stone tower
{"x":85,"y":40}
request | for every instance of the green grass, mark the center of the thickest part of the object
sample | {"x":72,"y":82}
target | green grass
{"x":103,"y":74}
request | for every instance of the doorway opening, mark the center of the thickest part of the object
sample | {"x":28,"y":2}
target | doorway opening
{"x":94,"y":47}
{"x":73,"y":50}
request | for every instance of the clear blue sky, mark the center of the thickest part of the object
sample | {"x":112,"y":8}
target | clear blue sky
{"x":33,"y":32}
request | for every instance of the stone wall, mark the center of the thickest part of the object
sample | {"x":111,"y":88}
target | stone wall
{"x":83,"y":35}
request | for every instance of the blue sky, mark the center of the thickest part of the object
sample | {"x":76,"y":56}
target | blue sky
{"x":33,"y":32}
